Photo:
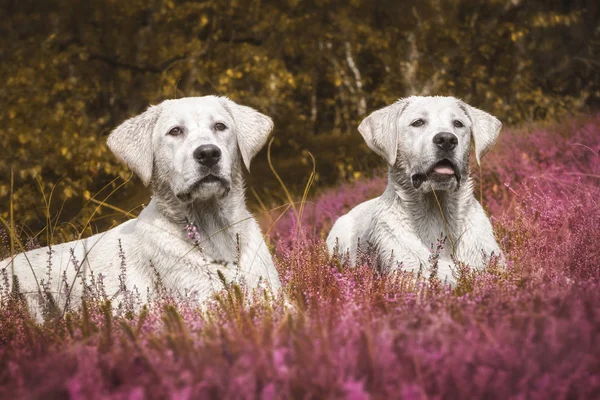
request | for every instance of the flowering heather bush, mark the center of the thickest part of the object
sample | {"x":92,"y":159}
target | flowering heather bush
{"x":531,"y":330}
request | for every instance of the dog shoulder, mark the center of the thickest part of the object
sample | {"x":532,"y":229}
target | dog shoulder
{"x":477,"y":235}
{"x":351,"y":226}
{"x":476,"y":218}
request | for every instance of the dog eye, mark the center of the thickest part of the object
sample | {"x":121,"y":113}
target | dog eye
{"x":418,"y":123}
{"x":219,"y":126}
{"x":458,"y":124}
{"x":176,"y":131}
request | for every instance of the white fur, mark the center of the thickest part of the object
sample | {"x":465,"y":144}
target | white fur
{"x":157,"y":241}
{"x":403,"y":224}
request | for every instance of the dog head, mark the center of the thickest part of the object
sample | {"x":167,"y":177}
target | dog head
{"x":191,"y":145}
{"x":428,"y":138}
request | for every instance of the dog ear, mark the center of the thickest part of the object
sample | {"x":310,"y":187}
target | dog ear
{"x":485,"y":130}
{"x":131,"y":142}
{"x":379,"y":130}
{"x":252,"y":129}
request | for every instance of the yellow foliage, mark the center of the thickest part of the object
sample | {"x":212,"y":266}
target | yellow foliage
{"x":68,"y":192}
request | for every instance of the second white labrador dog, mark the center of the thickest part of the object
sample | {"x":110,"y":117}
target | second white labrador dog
{"x":191,"y":152}
{"x":426,"y":142}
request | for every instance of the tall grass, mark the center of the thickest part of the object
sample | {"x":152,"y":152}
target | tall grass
{"x":531,"y":330}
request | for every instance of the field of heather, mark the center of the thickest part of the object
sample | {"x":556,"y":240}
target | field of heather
{"x":529,"y":331}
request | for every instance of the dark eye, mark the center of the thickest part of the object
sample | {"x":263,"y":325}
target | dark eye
{"x":176,"y":131}
{"x":418,"y":123}
{"x":219,"y":126}
{"x":458,"y":124}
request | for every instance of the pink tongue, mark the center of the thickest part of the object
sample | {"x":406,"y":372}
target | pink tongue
{"x":442,"y":169}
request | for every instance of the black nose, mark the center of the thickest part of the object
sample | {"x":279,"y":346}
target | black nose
{"x":207,"y":154}
{"x":445,"y":141}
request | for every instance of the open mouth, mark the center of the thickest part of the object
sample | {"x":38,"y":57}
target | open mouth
{"x":442,"y":171}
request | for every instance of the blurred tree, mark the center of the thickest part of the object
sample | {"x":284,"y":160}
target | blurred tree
{"x":73,"y":70}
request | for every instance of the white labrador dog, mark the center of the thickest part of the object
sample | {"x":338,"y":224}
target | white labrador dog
{"x":425,"y":141}
{"x":191,"y":152}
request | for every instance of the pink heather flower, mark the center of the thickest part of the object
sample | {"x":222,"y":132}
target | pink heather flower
{"x":192,"y":233}
{"x":268,"y":392}
{"x":354,"y":390}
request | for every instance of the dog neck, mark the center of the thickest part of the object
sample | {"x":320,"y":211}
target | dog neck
{"x":210,"y":214}
{"x":446,"y":206}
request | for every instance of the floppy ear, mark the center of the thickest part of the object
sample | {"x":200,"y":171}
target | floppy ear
{"x":131,"y":142}
{"x":380,"y":130}
{"x":485,"y":130}
{"x":251,"y":128}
